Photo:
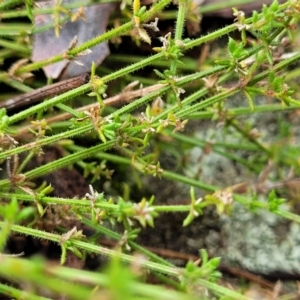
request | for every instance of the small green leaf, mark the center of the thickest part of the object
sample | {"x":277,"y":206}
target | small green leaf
{"x":63,"y":256}
{"x":159,"y":74}
{"x":142,"y":10}
{"x":274,"y":6}
{"x":274,"y":202}
{"x":249,"y":98}
{"x":188,"y":220}
{"x":26,"y":213}
{"x":232,"y":46}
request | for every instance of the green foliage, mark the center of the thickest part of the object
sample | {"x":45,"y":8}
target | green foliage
{"x":139,"y":132}
{"x":3,"y":122}
{"x":274,"y":202}
{"x":208,"y":269}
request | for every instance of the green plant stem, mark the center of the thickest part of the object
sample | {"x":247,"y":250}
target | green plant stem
{"x":74,"y":52}
{"x":17,"y":85}
{"x":28,"y":271}
{"x":209,"y":37}
{"x":208,"y":8}
{"x":152,"y":291}
{"x":4,"y":53}
{"x":92,"y":248}
{"x":14,"y":29}
{"x":60,"y":280}
{"x":202,"y":144}
{"x":116,"y":236}
{"x":182,"y":9}
{"x":14,"y":293}
{"x":59,"y":201}
{"x":68,"y":109}
{"x":185,"y":112}
{"x":134,"y":67}
{"x":62,"y":162}
{"x":9,"y":3}
{"x":42,"y":11}
{"x":196,"y":183}
{"x":165,"y":174}
{"x":49,"y":103}
{"x":219,"y":289}
{"x":191,"y":182}
{"x":278,"y":67}
{"x":241,"y":111}
{"x":50,"y":26}
{"x":262,"y":205}
{"x":251,"y":139}
{"x":48,"y":140}
{"x":86,"y":203}
{"x":4,"y":234}
{"x":15,"y":47}
{"x":188,"y":64}
{"x":288,"y":215}
{"x":212,"y":7}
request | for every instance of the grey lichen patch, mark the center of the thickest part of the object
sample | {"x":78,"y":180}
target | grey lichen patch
{"x":209,"y":164}
{"x":260,"y":241}
{"x":253,"y":241}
